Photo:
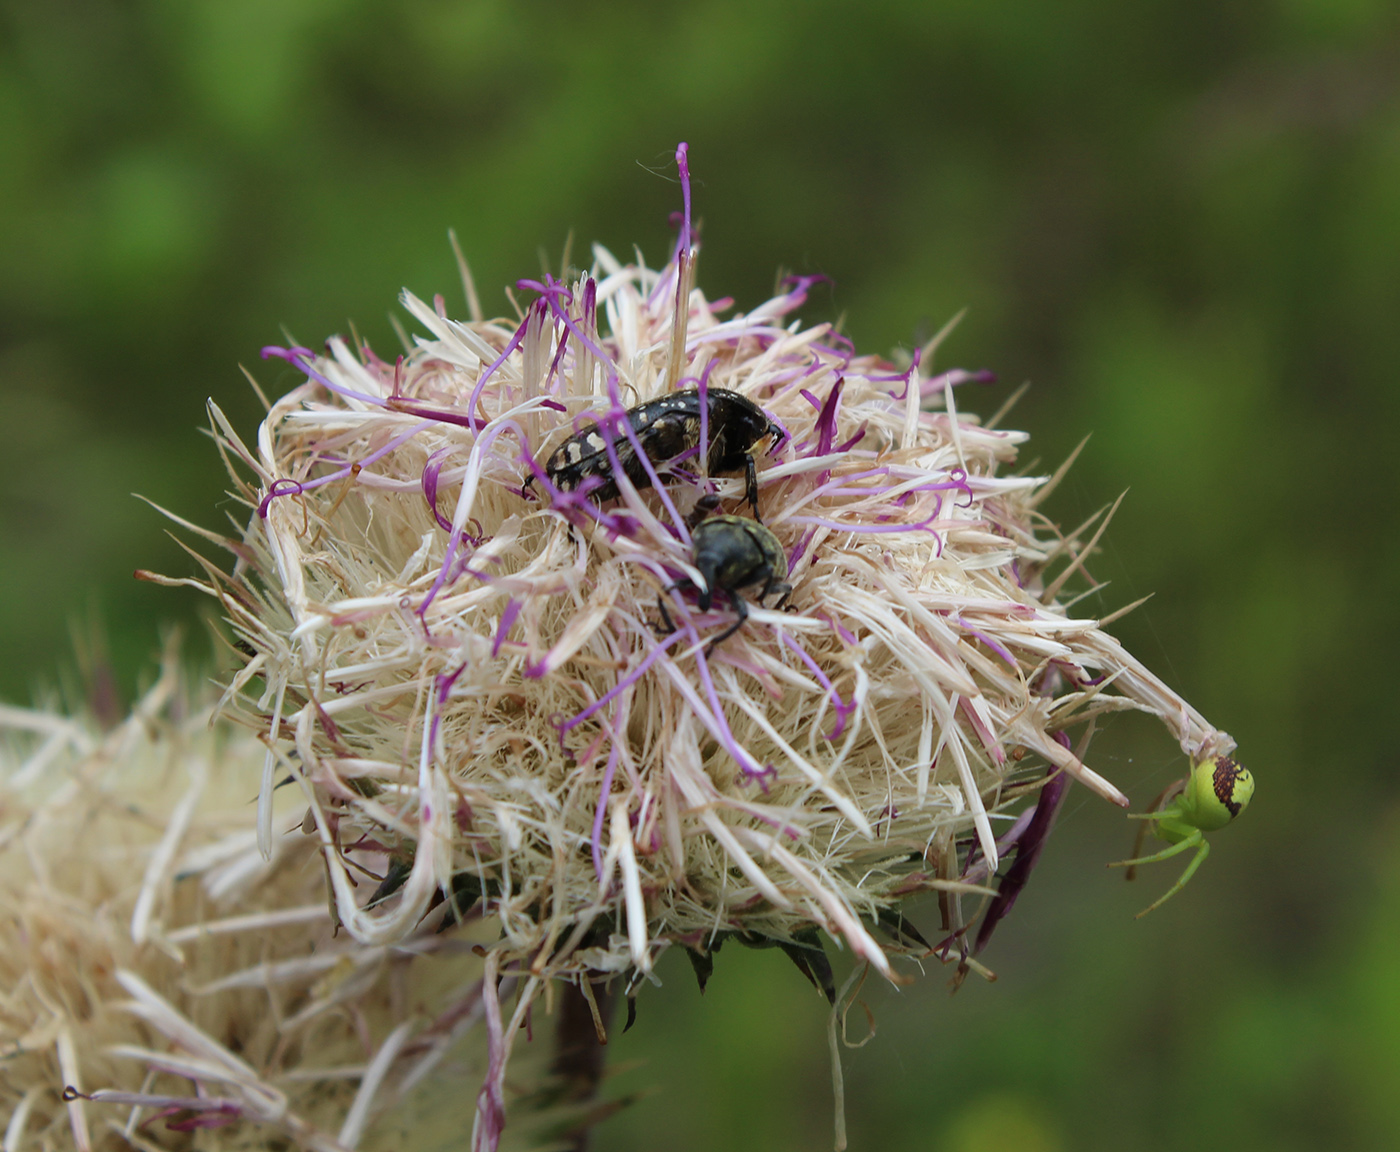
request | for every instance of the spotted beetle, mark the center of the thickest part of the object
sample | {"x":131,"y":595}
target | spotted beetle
{"x":666,"y":427}
{"x":733,"y":552}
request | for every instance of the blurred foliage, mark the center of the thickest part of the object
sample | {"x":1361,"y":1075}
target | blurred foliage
{"x":1180,"y":220}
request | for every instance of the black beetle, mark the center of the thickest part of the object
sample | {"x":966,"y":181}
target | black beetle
{"x":733,"y":552}
{"x":666,"y":427}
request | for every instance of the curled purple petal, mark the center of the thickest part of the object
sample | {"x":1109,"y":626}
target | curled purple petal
{"x":275,"y":351}
{"x":511,"y":345}
{"x":276,"y":489}
{"x":447,"y":571}
{"x":909,"y":375}
{"x":845,"y":633}
{"x":430,"y":485}
{"x":416,"y":407}
{"x":443,"y":683}
{"x":301,"y":358}
{"x":991,"y":642}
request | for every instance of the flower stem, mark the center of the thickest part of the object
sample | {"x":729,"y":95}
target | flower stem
{"x":581,"y":1041}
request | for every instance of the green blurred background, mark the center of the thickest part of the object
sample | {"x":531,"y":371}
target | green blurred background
{"x":1180,"y":220}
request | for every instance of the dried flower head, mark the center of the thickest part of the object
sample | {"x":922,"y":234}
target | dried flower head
{"x":162,"y":977}
{"x":489,"y":667}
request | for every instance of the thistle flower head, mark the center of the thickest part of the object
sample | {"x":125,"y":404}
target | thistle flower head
{"x":465,"y":664}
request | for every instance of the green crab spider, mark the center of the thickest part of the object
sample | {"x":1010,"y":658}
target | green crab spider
{"x":1216,"y":791}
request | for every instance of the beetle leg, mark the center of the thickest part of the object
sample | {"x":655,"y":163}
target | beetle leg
{"x":751,"y":484}
{"x":706,"y":505}
{"x":774,"y":585}
{"x":743,"y":612}
{"x":665,"y":616}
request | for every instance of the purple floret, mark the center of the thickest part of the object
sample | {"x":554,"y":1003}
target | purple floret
{"x":843,"y":710}
{"x":508,"y":615}
{"x":826,"y":418}
{"x":604,"y":793}
{"x":302,"y":357}
{"x":1028,"y":849}
{"x":431,"y":470}
{"x":626,"y":682}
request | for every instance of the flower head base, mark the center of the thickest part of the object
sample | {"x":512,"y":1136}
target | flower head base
{"x":464,"y":661}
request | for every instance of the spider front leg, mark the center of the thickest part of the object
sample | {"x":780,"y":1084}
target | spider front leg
{"x":1157,"y":810}
{"x":1194,"y":839}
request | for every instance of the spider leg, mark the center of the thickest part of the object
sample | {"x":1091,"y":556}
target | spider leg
{"x":1166,"y":853}
{"x":1202,"y":851}
{"x":1138,"y":841}
{"x":1196,"y":840}
{"x":1157,"y":810}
